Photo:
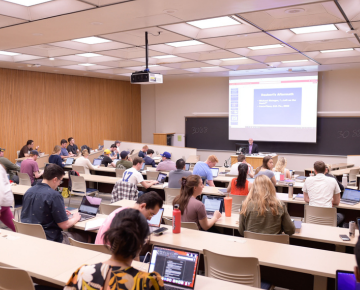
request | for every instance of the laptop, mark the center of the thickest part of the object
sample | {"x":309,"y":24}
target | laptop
{"x":212,"y":203}
{"x":350,"y":196}
{"x":177,"y":268}
{"x":18,"y":163}
{"x":97,"y":162}
{"x":187,"y":166}
{"x":161,"y":178}
{"x":116,"y":160}
{"x":345,"y":280}
{"x":155,"y":221}
{"x":101,"y":147}
{"x":69,"y":161}
{"x":142,"y":167}
{"x":215,"y":171}
{"x":89,"y":207}
{"x":277,"y":176}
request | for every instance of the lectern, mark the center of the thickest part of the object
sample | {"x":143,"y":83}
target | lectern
{"x":163,"y":138}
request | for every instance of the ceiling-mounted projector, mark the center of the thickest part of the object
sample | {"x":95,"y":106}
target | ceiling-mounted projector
{"x":146,"y":77}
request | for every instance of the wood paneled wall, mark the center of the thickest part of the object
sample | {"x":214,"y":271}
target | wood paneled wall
{"x":49,"y":107}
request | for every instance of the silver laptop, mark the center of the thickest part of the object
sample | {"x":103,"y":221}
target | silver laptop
{"x":350,"y":196}
{"x":89,"y":207}
{"x":97,"y":162}
{"x":69,"y":161}
{"x":176,"y":267}
{"x":155,"y":221}
{"x":142,"y":167}
{"x":161,"y":178}
{"x":215,"y":171}
{"x":187,"y":166}
{"x":212,"y":204}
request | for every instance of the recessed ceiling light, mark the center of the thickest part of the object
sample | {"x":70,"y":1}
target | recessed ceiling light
{"x":51,"y":58}
{"x":311,"y":29}
{"x":234,"y":58}
{"x":184,"y":43}
{"x":91,"y":40}
{"x":336,"y":50}
{"x":86,"y":64}
{"x":151,"y":65}
{"x":265,"y":46}
{"x":28,"y":2}
{"x":299,"y":60}
{"x":213,"y":22}
{"x":164,"y":56}
{"x":89,"y":54}
{"x":9,"y":53}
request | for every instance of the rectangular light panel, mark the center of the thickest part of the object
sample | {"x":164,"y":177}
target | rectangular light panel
{"x":184,"y":43}
{"x":336,"y":50}
{"x":28,"y":2}
{"x":234,"y":58}
{"x":300,"y":60}
{"x":265,"y":46}
{"x":89,"y":54}
{"x":86,"y":64}
{"x":312,"y":29}
{"x":9,"y":53}
{"x":164,"y":56}
{"x":91,"y":40}
{"x":214,"y":22}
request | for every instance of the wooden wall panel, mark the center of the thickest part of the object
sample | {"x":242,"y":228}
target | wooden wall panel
{"x":49,"y":107}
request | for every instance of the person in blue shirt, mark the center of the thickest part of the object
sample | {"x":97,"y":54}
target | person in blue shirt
{"x":203,"y":169}
{"x":55,"y":156}
{"x":143,"y":151}
{"x":148,"y":160}
{"x":64,"y":153}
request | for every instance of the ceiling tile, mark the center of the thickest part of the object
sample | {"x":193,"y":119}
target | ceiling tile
{"x":96,"y":59}
{"x":130,"y":53}
{"x":14,"y":10}
{"x":46,"y":50}
{"x":106,"y":2}
{"x":351,"y":9}
{"x":114,"y":71}
{"x":178,"y":50}
{"x":18,"y":58}
{"x":86,"y":68}
{"x":8,"y":21}
{"x":90,"y":47}
{"x":123,"y":63}
{"x":208,"y":55}
{"x":53,"y":63}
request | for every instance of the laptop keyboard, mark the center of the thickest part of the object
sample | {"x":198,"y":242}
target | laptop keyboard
{"x":348,"y":201}
{"x":168,"y":287}
{"x":85,"y":216}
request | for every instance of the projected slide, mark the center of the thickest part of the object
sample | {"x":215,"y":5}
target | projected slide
{"x":273,"y":109}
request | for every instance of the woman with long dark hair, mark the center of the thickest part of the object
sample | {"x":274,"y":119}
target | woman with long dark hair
{"x":266,"y":169}
{"x":240,"y":185}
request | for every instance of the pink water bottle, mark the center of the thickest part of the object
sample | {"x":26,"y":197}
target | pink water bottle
{"x":176,"y":222}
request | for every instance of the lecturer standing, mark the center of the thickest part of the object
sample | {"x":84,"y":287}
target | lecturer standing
{"x":253,"y":148}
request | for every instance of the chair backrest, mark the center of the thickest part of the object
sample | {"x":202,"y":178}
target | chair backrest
{"x":238,"y":270}
{"x":193,"y":159}
{"x":147,"y":166}
{"x":135,"y":154}
{"x":80,"y":169}
{"x":281,"y":239}
{"x":119,"y":172}
{"x":33,"y":230}
{"x":189,"y":225}
{"x":15,"y":279}
{"x":170,"y":194}
{"x":231,"y":175}
{"x":167,"y":221}
{"x":236,"y":202}
{"x":320,"y":215}
{"x":24,"y":179}
{"x":352,"y":174}
{"x":78,"y":183}
{"x":152,"y":175}
{"x":108,"y":208}
{"x":93,"y":247}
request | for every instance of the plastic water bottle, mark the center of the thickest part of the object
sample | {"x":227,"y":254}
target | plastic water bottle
{"x":176,"y":222}
{"x":344,"y":180}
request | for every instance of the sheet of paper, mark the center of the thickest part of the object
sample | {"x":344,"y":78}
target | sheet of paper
{"x":94,"y":224}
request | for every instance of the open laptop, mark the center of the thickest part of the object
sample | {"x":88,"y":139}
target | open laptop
{"x":177,"y":268}
{"x":277,"y":176}
{"x":215,"y":171}
{"x":142,"y":167}
{"x":345,"y":280}
{"x":350,"y":196}
{"x":116,"y":160}
{"x":18,"y":163}
{"x":97,"y":162}
{"x":212,"y":203}
{"x":101,"y":147}
{"x":155,"y":221}
{"x":161,"y":178}
{"x":69,"y":161}
{"x":89,"y":207}
{"x":187,"y":166}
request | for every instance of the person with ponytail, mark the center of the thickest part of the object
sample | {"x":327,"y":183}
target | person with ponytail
{"x":193,"y":210}
{"x":126,"y":236}
{"x":240,"y":185}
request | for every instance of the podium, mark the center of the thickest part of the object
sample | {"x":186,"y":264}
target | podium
{"x":255,"y":161}
{"x":163,"y":138}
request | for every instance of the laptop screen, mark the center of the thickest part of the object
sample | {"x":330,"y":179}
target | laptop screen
{"x":97,"y":162}
{"x":215,"y":171}
{"x":212,"y":203}
{"x":176,"y":267}
{"x":18,"y":163}
{"x":69,"y":161}
{"x":90,"y":205}
{"x":101,"y":147}
{"x":161,"y":177}
{"x":156,"y":219}
{"x":116,"y":160}
{"x":187,"y":166}
{"x":346,"y":281}
{"x":277,"y":176}
{"x":142,"y":166}
{"x":351,"y":194}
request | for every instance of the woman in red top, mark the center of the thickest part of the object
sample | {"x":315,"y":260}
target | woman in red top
{"x":239,"y":185}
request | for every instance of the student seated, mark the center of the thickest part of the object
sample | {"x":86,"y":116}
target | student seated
{"x":240,"y":185}
{"x":125,"y":160}
{"x":266,"y":169}
{"x":10,"y":167}
{"x":148,"y":158}
{"x":281,"y":167}
{"x":72,"y":147}
{"x":261,"y":212}
{"x":106,"y":160}
{"x":142,"y":152}
{"x":6,"y":200}
{"x":114,"y":153}
{"x":84,"y":161}
{"x":321,"y":190}
{"x":328,"y":174}
{"x":55,"y":156}
{"x":31,"y":167}
{"x":175,"y":176}
{"x":127,"y":234}
{"x":193,"y":210}
{"x":234,"y":168}
{"x":26,"y":149}
{"x":64,"y":153}
{"x":166,"y":163}
{"x":148,"y":204}
{"x":203,"y":169}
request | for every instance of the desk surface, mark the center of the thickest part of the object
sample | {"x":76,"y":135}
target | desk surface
{"x":334,"y":166}
{"x":23,"y":158}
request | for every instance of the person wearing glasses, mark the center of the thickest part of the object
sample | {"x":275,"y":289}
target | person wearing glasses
{"x":44,"y":205}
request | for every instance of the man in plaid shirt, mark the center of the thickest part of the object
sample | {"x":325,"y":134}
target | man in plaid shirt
{"x":124,"y":190}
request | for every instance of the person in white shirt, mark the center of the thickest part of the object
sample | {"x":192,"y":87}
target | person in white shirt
{"x":234,"y":168}
{"x":133,"y":175}
{"x":321,"y":190}
{"x":84,"y":161}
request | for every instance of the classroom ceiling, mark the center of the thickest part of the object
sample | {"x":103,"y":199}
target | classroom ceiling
{"x":106,"y":38}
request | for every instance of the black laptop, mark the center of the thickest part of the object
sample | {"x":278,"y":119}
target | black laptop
{"x":89,"y":207}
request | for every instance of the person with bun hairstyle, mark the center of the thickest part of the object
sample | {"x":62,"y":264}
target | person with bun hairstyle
{"x":193,"y":210}
{"x":126,"y":236}
{"x":55,"y":156}
{"x":240,"y":185}
{"x":84,"y":161}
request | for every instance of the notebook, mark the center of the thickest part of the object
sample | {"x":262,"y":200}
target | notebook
{"x":212,"y":204}
{"x":345,"y":280}
{"x":177,"y":268}
{"x":215,"y":171}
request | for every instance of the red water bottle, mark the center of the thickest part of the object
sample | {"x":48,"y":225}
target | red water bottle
{"x":176,"y":222}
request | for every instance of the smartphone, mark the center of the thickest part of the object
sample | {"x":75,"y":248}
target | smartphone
{"x":344,"y":237}
{"x":159,"y":231}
